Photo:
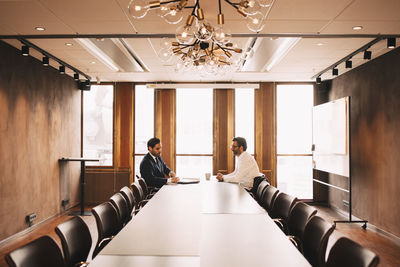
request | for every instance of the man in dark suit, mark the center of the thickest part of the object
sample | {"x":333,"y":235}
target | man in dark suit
{"x":153,"y":169}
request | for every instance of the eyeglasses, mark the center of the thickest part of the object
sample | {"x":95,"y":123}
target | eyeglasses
{"x":233,"y":146}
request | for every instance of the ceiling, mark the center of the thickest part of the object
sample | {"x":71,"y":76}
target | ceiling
{"x":300,"y":61}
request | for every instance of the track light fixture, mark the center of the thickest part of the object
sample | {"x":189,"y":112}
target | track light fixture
{"x":318,"y":80}
{"x":76,"y":76}
{"x":391,"y":42}
{"x":45,"y":61}
{"x":335,"y":71}
{"x":367,"y":54}
{"x":349,"y":64}
{"x":25,"y":50}
{"x":62,"y":69}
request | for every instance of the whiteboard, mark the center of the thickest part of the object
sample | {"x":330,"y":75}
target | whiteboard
{"x":331,"y":151}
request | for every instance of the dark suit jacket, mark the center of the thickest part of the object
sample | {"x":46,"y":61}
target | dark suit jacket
{"x":152,"y":172}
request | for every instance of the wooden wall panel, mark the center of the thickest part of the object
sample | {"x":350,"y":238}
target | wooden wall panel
{"x":223,"y":132}
{"x":165,"y":127}
{"x":375,"y":146}
{"x":101,"y":185}
{"x":124,"y":124}
{"x":39,"y":123}
{"x":265,"y":130}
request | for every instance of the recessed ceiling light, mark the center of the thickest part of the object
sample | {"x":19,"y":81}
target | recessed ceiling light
{"x":68,"y":44}
{"x":40,"y":28}
{"x":357,"y":28}
{"x":93,"y":62}
{"x":319,"y":44}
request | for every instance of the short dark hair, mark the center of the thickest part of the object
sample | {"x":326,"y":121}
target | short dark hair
{"x":152,"y":142}
{"x":241,"y":142}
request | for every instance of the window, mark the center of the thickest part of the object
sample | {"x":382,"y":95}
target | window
{"x":194,"y":132}
{"x":144,"y":122}
{"x":294,"y":138}
{"x":98,"y":124}
{"x":244,"y":116}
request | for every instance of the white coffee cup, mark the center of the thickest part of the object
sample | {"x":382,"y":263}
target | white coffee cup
{"x":208,"y":176}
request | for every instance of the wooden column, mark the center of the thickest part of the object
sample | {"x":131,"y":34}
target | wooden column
{"x":265,"y":130}
{"x":224,"y":130}
{"x":164,"y":123}
{"x":124,"y":124}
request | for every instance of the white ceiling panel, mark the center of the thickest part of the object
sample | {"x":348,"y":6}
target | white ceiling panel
{"x":23,"y":16}
{"x":369,"y":27}
{"x":373,"y":10}
{"x":307,"y":9}
{"x":290,"y":26}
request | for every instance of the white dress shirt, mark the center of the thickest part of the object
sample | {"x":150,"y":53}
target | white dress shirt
{"x":245,"y":171}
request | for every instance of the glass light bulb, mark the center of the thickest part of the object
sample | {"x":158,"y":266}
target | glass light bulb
{"x":184,"y":34}
{"x":252,"y":8}
{"x":173,"y":16}
{"x":138,"y":8}
{"x":222,"y":35}
{"x":165,"y":55}
{"x":204,"y":31}
{"x":165,"y":43}
{"x":255,"y":22}
{"x":162,"y":10}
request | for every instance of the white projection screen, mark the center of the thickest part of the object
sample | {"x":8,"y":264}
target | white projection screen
{"x":331,"y":125}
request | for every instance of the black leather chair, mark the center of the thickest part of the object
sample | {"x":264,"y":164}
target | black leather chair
{"x":107,"y":225}
{"x":128,"y":195}
{"x":346,"y":252}
{"x":260,"y":191}
{"x":281,"y":209}
{"x":147,"y":194}
{"x":42,"y":252}
{"x":315,"y":239}
{"x":121,"y":205}
{"x":296,"y":222}
{"x":139,"y":196}
{"x":76,"y":241}
{"x":269,"y":196}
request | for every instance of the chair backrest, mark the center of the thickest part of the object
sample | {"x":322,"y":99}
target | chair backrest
{"x":144,"y":186}
{"x":346,"y":252}
{"x":315,"y":240}
{"x":121,"y":205}
{"x":38,"y":253}
{"x":106,"y":220}
{"x":270,"y":194}
{"x":137,"y":193}
{"x":282,"y":206}
{"x":76,"y":240}
{"x":298,"y":217}
{"x":260,"y":190}
{"x":128,"y":195}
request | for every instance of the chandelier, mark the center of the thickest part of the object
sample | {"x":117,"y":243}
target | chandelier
{"x":200,"y":44}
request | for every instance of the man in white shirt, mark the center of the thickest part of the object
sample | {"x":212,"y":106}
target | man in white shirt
{"x":246,"y":166}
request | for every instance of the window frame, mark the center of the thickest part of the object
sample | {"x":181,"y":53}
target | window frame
{"x":99,"y":167}
{"x":276,"y":131}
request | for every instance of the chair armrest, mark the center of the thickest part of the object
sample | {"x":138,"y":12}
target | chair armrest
{"x":296,"y":242}
{"x":81,"y":264}
{"x":281,"y":224}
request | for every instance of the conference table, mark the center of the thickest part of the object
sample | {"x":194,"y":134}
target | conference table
{"x":209,"y":224}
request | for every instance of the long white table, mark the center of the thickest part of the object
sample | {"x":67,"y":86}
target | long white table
{"x":207,"y":224}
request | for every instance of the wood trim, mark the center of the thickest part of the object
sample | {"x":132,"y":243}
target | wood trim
{"x":165,"y":123}
{"x":223,"y":130}
{"x":265,"y":130}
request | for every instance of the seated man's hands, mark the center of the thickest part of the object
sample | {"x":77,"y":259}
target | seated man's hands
{"x":219,"y":177}
{"x":174,"y":179}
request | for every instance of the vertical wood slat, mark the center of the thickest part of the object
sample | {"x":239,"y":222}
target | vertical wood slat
{"x":265,"y":130}
{"x":164,"y":124}
{"x":124,"y":127}
{"x":224,"y":129}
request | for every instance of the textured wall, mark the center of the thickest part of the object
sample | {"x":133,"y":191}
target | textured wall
{"x":39,"y":123}
{"x":374,"y":89}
